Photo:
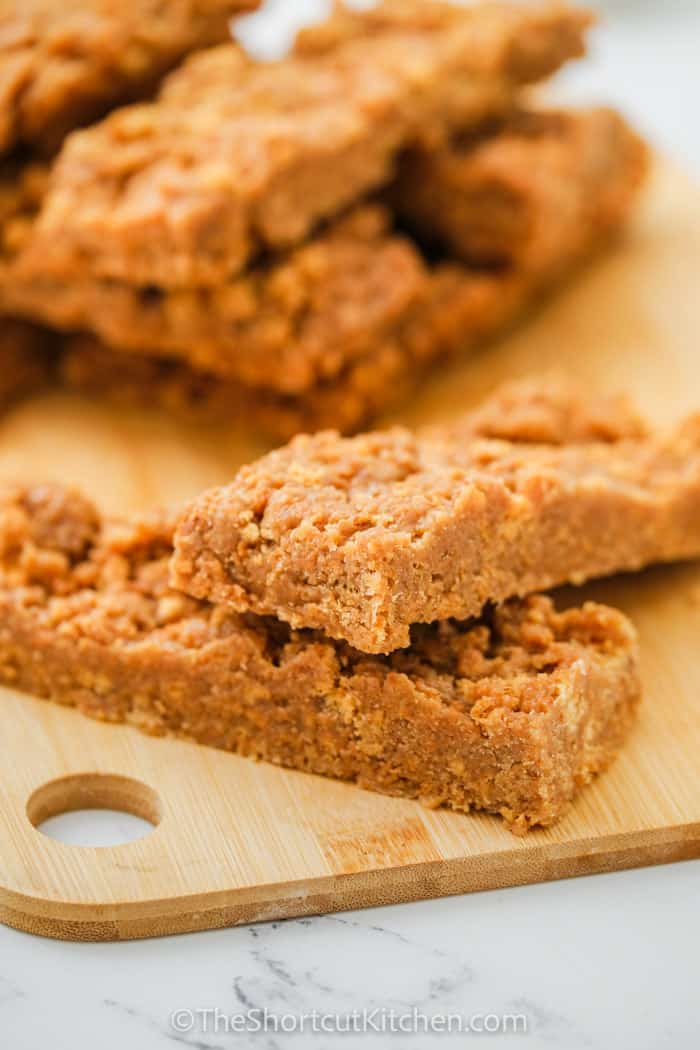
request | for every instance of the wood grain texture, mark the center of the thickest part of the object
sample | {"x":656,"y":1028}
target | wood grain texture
{"x":237,"y":841}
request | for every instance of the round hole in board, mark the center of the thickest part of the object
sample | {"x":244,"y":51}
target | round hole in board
{"x":94,"y":809}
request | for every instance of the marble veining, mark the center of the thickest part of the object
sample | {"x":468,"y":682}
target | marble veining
{"x":593,"y":963}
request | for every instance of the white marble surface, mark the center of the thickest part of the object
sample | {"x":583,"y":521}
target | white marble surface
{"x":594,"y":964}
{"x":599,"y":962}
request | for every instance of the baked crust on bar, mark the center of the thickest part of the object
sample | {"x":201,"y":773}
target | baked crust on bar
{"x":363,"y":537}
{"x":510,"y":714}
{"x":520,"y":195}
{"x":62,"y":65}
{"x":236,"y":157}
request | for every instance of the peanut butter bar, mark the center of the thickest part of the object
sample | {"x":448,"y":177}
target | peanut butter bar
{"x":512,"y":714}
{"x":459,"y":311}
{"x":350,"y":323}
{"x":363,"y":537}
{"x":300,"y":325}
{"x":354,"y":396}
{"x":286,"y":325}
{"x":547,"y":409}
{"x":62,"y":65}
{"x":463,"y":310}
{"x":520,"y":195}
{"x":236,"y":157}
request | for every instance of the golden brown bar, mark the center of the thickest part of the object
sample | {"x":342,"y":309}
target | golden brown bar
{"x":363,"y":537}
{"x":357,"y":394}
{"x":286,"y":325}
{"x":460,"y":311}
{"x":237,"y":157}
{"x":463,"y":310}
{"x":520,"y":195}
{"x":304,"y":323}
{"x":63,"y":64}
{"x":512,"y":714}
{"x":546,"y":409}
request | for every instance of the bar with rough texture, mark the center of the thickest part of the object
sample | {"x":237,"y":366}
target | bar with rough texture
{"x":363,"y":537}
{"x":306,"y":325}
{"x":63,"y":64}
{"x":461,"y":312}
{"x":519,"y":194}
{"x":512,"y":714}
{"x":286,"y":325}
{"x":237,"y":157}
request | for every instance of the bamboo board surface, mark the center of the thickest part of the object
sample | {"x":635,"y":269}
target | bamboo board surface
{"x":237,"y":841}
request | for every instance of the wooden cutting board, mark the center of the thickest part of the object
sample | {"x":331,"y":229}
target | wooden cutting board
{"x":237,"y":841}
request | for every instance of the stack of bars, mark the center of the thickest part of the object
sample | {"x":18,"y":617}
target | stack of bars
{"x":294,"y":244}
{"x":61,"y":67}
{"x":366,"y":607}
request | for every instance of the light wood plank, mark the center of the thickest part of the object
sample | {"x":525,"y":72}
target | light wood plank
{"x":237,"y":841}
